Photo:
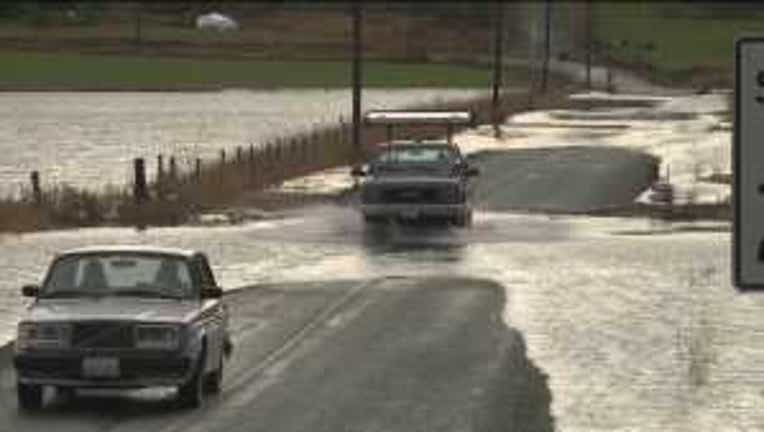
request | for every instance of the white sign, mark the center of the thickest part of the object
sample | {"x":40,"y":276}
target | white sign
{"x":748,"y":168}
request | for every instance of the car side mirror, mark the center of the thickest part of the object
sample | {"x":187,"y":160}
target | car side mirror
{"x":212,"y":292}
{"x":357,"y":172}
{"x":30,"y":290}
{"x":472,"y":172}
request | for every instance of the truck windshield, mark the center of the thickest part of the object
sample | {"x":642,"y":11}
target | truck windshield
{"x":418,"y":155}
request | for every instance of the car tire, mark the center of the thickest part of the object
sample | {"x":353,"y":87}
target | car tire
{"x":213,"y":382}
{"x":29,"y":396}
{"x":463,"y":221}
{"x":191,"y":393}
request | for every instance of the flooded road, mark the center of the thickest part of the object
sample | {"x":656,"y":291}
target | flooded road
{"x":631,"y":328}
{"x":634,"y":322}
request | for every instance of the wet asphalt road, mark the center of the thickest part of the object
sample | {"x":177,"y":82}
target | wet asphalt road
{"x":572,"y":179}
{"x":379,"y":355}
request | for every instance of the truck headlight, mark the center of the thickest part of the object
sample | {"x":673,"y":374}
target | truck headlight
{"x":43,"y":335}
{"x":157,"y":336}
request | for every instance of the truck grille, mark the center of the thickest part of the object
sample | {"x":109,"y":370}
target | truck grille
{"x":102,"y":335}
{"x":412,"y":196}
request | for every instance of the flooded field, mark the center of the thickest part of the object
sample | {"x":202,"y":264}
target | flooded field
{"x":90,"y":138}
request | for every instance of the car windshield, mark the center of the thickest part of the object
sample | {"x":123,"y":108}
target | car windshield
{"x":138,"y":275}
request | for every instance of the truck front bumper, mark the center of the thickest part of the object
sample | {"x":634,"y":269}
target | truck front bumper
{"x":416,"y":211}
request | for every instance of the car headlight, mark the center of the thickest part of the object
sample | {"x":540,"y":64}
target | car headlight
{"x":43,"y":335}
{"x":157,"y":336}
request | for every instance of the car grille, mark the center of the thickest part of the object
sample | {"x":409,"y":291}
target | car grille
{"x":102,"y":335}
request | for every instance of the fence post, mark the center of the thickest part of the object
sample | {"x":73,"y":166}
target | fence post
{"x":265,"y":164}
{"x":36,"y":191}
{"x":160,"y":169}
{"x":222,"y":163}
{"x":140,"y":194}
{"x":239,"y":155}
{"x":173,"y":169}
{"x":303,"y":145}
{"x":251,"y":163}
{"x":198,"y":169}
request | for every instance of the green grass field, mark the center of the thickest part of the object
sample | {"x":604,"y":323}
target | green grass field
{"x":681,"y":42}
{"x":62,"y":71}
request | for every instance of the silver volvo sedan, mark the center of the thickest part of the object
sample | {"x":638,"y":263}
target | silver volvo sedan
{"x":123,"y":317}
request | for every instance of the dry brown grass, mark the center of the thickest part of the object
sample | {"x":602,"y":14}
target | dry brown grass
{"x":19,"y":216}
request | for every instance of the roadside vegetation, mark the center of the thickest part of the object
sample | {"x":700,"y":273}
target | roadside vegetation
{"x":24,"y":70}
{"x":687,"y":43}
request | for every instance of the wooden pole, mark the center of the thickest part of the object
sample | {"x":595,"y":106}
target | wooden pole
{"x":589,"y":44}
{"x":547,"y":44}
{"x":357,"y":77}
{"x":497,"y":66}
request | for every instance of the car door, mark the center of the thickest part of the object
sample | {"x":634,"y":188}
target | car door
{"x":214,"y":314}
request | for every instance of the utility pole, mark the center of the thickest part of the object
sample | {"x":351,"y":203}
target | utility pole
{"x":138,"y":36}
{"x":589,"y":44}
{"x":547,"y":43}
{"x":357,"y":53}
{"x":497,"y":65}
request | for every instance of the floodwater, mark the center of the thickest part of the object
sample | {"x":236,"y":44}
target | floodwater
{"x":691,"y":136}
{"x":87,"y":139}
{"x":636,"y":331}
{"x":635,"y":321}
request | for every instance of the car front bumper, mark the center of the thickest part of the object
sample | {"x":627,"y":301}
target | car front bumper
{"x":136,"y":370}
{"x":416,"y":211}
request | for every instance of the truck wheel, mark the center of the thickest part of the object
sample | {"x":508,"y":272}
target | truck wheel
{"x":29,"y":396}
{"x":191,"y":393}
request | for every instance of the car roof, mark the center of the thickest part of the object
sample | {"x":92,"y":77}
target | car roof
{"x":186,"y":253}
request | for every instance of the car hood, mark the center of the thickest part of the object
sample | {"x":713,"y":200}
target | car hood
{"x":113,"y":309}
